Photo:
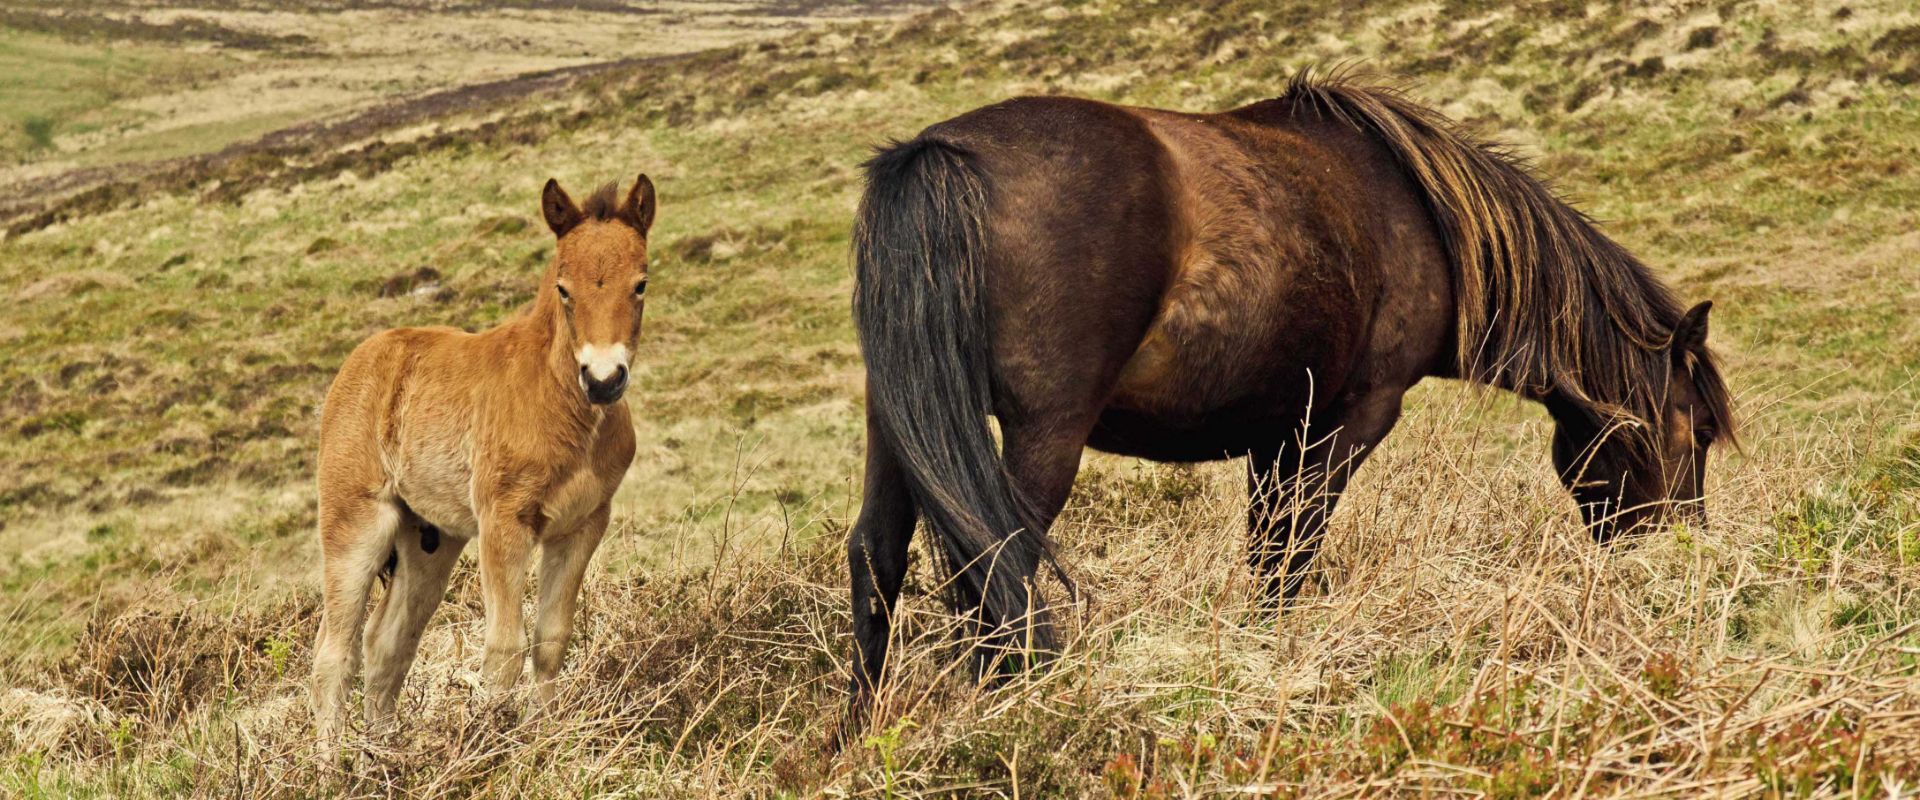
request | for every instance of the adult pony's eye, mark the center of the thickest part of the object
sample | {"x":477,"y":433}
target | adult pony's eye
{"x":640,"y":288}
{"x":564,"y":297}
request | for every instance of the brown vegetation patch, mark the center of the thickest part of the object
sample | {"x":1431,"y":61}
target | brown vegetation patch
{"x":75,"y":23}
{"x":158,"y":663}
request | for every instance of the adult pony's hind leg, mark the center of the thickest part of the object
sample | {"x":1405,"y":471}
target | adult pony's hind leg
{"x":1291,"y":492}
{"x":563,"y":567}
{"x":1043,"y":457}
{"x":423,"y":563}
{"x":356,"y":536}
{"x":877,"y":564}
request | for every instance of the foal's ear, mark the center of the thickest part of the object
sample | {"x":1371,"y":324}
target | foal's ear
{"x":638,"y":208}
{"x":1690,"y":336}
{"x":559,"y":209}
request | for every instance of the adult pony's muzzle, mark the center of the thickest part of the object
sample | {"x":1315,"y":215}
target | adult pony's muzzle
{"x":601,"y":391}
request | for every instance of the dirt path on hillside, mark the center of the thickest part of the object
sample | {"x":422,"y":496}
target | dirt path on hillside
{"x":36,"y":203}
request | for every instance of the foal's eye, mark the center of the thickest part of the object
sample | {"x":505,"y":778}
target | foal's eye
{"x":564,"y":297}
{"x":640,"y":288}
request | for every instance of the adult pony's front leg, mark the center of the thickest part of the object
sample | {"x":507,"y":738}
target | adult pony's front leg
{"x":1291,"y":491}
{"x":506,"y":542}
{"x":876,"y":565}
{"x":563,"y":567}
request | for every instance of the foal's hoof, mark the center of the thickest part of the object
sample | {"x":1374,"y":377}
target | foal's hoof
{"x":472,"y":682}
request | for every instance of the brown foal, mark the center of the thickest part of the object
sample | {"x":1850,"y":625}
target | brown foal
{"x":517,"y":436}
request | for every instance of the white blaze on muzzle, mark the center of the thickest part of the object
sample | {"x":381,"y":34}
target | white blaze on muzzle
{"x":602,"y":362}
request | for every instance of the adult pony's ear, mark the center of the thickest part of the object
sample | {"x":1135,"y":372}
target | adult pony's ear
{"x":638,"y":208}
{"x":1690,"y":336}
{"x":559,"y":209}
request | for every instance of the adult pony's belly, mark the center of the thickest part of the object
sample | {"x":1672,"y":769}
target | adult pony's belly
{"x":1228,"y":434}
{"x":1213,"y":380}
{"x":1206,"y":365}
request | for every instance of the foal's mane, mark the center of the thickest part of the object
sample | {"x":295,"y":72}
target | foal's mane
{"x":1546,"y":302}
{"x":603,"y":204}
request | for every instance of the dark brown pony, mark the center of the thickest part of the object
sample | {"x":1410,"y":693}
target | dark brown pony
{"x":1266,"y":282}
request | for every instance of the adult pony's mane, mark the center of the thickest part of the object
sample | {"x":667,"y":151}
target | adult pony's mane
{"x":1546,"y":302}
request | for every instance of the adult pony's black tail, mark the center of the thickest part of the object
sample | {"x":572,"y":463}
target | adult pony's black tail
{"x":919,"y":303}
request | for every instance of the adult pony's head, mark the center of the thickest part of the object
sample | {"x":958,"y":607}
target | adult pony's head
{"x":1632,"y":467}
{"x":599,"y":280}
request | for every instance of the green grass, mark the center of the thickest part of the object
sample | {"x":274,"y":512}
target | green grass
{"x":51,"y":87}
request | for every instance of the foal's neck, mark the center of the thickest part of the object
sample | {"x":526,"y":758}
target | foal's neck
{"x":547,"y":369}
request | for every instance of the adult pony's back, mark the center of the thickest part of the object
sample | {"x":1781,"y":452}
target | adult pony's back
{"x":1266,"y":282}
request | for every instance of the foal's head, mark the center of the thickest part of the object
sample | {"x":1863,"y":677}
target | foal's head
{"x":599,"y":279}
{"x":1623,"y":480}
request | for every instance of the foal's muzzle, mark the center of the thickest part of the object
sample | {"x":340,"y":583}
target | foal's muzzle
{"x":602,"y":392}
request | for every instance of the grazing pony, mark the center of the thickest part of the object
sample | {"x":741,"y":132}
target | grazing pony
{"x":1264,"y":283}
{"x":517,"y":435}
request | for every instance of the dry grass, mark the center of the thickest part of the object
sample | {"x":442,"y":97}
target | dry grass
{"x":1468,"y":639}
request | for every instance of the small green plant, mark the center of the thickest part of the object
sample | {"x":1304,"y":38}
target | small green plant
{"x":121,"y":736}
{"x":39,"y":130}
{"x":1907,"y":545}
{"x":1807,"y":531}
{"x":279,"y":650}
{"x":887,"y":745}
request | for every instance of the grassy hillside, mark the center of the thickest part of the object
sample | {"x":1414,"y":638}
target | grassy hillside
{"x":163,"y":361}
{"x":111,"y":82}
{"x":102,"y":103}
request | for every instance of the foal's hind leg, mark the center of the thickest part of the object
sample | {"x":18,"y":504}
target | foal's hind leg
{"x":393,"y":635}
{"x":1292,"y":491}
{"x":563,"y":566}
{"x":356,"y":535}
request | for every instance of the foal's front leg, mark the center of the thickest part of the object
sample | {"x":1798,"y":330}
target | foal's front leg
{"x":563,"y":565}
{"x":506,"y":541}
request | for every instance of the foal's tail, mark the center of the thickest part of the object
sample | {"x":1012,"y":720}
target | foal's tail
{"x":919,"y":303}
